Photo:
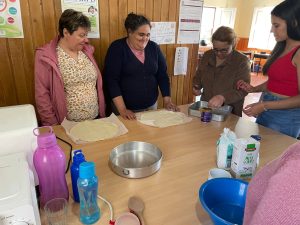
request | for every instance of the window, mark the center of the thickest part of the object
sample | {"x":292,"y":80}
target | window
{"x":260,"y":34}
{"x":213,"y":18}
{"x":207,"y":23}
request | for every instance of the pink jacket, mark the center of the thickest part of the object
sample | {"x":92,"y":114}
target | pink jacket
{"x":49,"y":88}
{"x":273,"y":196}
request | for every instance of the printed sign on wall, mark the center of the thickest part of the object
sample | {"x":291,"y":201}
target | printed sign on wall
{"x":87,"y":7}
{"x":10,"y":19}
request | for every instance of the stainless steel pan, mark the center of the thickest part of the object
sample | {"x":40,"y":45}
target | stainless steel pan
{"x":135,"y":159}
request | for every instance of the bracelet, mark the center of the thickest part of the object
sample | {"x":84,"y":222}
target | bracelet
{"x":265,"y":109}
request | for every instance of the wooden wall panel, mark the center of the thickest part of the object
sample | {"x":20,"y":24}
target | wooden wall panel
{"x":104,"y":31}
{"x":18,"y":70}
{"x":149,"y":9}
{"x":131,"y":6}
{"x":242,"y":44}
{"x":171,"y":52}
{"x":40,"y":24}
{"x":140,"y":7}
{"x":123,"y":11}
{"x":51,"y":26}
{"x":7,"y":83}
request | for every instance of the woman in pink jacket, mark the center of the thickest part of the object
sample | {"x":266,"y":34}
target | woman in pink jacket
{"x":68,"y":82}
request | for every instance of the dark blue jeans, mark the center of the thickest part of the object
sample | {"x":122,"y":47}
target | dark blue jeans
{"x":286,"y":121}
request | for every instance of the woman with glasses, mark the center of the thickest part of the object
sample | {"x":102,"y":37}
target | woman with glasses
{"x":219,"y":70}
{"x":134,"y":69}
{"x":279,"y":108}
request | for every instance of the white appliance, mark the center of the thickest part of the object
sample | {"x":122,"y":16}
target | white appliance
{"x":18,"y":202}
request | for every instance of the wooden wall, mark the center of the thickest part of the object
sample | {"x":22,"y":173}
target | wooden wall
{"x":40,"y":19}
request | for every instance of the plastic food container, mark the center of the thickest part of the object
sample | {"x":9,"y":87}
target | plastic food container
{"x":218,"y":114}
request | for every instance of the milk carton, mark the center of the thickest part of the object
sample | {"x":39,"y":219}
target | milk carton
{"x":244,"y":157}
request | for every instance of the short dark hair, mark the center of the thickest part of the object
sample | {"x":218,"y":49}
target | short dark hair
{"x":134,"y":21}
{"x":225,"y":34}
{"x":71,"y":20}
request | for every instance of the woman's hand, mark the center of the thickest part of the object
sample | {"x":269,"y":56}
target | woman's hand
{"x":242,"y":85}
{"x":254,"y":109}
{"x":216,"y":101}
{"x":169,"y":105}
{"x":128,"y":114}
{"x":121,"y":107}
{"x":196,"y":90}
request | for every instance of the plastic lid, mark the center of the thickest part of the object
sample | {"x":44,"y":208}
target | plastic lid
{"x":78,"y":156}
{"x":45,"y":136}
{"x":86,"y":170}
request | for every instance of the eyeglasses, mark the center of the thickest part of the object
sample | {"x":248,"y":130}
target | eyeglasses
{"x":222,"y":50}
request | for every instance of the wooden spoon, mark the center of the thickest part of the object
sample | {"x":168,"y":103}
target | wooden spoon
{"x":137,"y":206}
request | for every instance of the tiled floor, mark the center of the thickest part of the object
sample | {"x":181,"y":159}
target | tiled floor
{"x":256,"y":79}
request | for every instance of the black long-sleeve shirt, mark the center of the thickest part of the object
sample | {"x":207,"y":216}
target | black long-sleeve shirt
{"x":136,"y":82}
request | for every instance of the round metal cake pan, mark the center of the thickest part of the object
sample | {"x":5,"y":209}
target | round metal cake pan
{"x":135,"y":159}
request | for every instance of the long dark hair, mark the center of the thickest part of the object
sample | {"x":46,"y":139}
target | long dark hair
{"x":289,"y":11}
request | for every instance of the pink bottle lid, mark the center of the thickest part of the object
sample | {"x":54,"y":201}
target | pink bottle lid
{"x":45,"y":136}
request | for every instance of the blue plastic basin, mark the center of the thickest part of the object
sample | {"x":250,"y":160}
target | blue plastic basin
{"x":224,"y":200}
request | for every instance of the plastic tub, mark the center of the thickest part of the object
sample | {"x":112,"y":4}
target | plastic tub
{"x":224,"y":200}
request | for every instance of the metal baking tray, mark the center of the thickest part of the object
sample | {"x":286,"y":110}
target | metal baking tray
{"x":218,"y":114}
{"x":135,"y":159}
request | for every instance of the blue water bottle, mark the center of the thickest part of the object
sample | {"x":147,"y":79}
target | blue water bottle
{"x":78,"y":158}
{"x":88,"y":190}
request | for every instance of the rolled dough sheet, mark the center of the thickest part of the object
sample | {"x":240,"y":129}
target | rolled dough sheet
{"x":94,"y":130}
{"x":163,"y":118}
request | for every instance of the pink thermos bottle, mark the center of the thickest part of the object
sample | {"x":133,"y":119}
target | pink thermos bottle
{"x":50,"y":164}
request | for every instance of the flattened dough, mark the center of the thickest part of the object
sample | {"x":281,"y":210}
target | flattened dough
{"x":163,"y":118}
{"x":94,"y":130}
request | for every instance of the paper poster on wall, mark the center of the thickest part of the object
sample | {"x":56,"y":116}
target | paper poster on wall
{"x":10,"y":19}
{"x":189,"y":21}
{"x":181,"y":60}
{"x":89,"y":8}
{"x":163,"y":32}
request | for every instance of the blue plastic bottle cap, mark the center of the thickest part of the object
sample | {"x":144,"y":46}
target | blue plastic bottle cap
{"x":86,"y":170}
{"x":78,"y":157}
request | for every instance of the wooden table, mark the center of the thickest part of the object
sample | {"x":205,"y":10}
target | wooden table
{"x":171,"y":194}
